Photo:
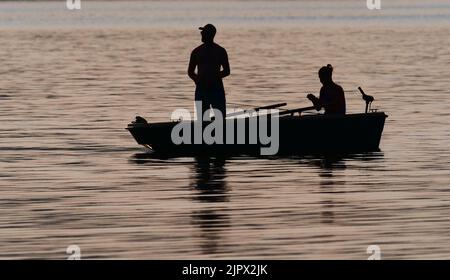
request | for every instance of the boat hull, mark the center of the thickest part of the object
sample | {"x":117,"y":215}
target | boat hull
{"x":310,"y":134}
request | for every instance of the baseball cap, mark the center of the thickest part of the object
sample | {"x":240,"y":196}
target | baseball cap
{"x":209,"y":28}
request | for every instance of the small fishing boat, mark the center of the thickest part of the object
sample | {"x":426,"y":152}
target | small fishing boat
{"x":294,"y":133}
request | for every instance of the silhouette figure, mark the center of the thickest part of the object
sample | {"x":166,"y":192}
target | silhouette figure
{"x":210,"y":186}
{"x":332,"y":97}
{"x":211,"y":61}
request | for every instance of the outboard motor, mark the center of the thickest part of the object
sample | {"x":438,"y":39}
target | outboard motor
{"x":368,"y":98}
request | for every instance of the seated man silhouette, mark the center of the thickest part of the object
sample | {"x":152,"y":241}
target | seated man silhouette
{"x":332,"y":97}
{"x":211,"y":61}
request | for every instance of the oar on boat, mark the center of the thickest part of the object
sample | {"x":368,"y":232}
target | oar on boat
{"x":298,"y":110}
{"x":267,"y":107}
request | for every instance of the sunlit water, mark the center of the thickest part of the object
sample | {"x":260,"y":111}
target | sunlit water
{"x":70,"y":81}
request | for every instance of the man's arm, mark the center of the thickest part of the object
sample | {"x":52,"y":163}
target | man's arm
{"x":191,"y":68}
{"x":225,"y":65}
{"x":316,"y":101}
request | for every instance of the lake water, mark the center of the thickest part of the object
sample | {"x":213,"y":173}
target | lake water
{"x":70,"y":174}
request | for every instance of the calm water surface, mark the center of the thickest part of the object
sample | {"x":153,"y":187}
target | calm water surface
{"x":70,"y":81}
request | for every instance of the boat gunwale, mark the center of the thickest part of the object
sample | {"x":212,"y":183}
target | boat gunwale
{"x":288,"y":117}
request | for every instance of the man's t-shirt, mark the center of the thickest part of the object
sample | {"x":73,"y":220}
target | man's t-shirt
{"x":209,"y":59}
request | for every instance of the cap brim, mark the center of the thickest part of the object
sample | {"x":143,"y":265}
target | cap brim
{"x":201,"y":28}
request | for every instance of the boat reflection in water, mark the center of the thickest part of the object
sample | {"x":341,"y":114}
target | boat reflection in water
{"x":227,"y":200}
{"x":327,"y":167}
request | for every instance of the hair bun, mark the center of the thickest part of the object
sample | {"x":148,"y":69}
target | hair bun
{"x":329,"y":66}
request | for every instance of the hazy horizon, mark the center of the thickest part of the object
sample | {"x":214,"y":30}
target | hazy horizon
{"x":70,"y":174}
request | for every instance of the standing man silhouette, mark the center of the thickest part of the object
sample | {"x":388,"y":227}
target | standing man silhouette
{"x":211,"y":61}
